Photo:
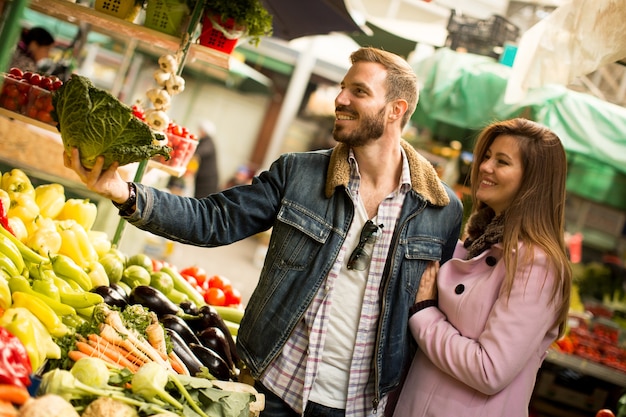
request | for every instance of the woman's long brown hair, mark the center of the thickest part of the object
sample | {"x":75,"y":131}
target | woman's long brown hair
{"x":536,"y":216}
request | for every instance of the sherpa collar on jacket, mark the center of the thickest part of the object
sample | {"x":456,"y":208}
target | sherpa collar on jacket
{"x":424,"y":178}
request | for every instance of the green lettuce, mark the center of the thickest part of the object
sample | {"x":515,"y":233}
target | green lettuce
{"x":97,"y":123}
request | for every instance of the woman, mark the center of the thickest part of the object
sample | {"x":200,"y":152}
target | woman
{"x":484,"y":321}
{"x":33,"y":47}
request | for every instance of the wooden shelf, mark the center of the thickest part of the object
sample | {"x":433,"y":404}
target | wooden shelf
{"x":20,"y":117}
{"x":118,"y":28}
{"x":587,"y":367}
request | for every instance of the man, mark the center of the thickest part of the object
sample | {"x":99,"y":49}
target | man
{"x":206,"y":178}
{"x":353,"y":228}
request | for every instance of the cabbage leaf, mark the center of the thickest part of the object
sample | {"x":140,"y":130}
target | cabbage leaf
{"x":97,"y":123}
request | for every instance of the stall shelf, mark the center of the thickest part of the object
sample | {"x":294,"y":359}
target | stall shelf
{"x":118,"y":28}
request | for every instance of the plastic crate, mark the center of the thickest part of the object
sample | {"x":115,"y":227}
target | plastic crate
{"x":183,"y":149}
{"x":40,"y":105}
{"x":123,"y":9}
{"x":167,"y":16}
{"x":14,"y":94}
{"x":480,"y":36}
{"x":214,"y":37}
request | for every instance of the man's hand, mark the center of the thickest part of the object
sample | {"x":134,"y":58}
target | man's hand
{"x":108,"y":184}
{"x":428,"y":284}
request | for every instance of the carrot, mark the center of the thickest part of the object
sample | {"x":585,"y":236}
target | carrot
{"x":75,"y":355}
{"x":89,"y":350}
{"x":156,"y":338}
{"x":113,"y":319}
{"x":14,"y":394}
{"x":7,"y":409}
{"x":177,"y":364}
{"x":111,"y":336}
{"x":115,"y":353}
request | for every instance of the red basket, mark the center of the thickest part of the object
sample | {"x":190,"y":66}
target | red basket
{"x":214,"y":37}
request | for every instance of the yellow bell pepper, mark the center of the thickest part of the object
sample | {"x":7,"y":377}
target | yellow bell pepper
{"x":24,"y":207}
{"x":19,"y":322}
{"x":81,"y":210}
{"x":17,"y":182}
{"x":98,"y":274}
{"x":45,"y":241}
{"x":5,"y":200}
{"x":75,"y":242}
{"x":100,"y":242}
{"x":50,"y":198}
{"x":18,"y":228}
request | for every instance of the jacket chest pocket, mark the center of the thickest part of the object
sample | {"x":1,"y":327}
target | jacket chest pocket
{"x":418,"y":253}
{"x":300,"y":234}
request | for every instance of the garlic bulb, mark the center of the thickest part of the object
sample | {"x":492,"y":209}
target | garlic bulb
{"x":175,"y":85}
{"x":160,"y":98}
{"x":161,"y":77}
{"x":168,"y":63}
{"x":157,"y":119}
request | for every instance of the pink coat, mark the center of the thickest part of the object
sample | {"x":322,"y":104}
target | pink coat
{"x":479,"y":354}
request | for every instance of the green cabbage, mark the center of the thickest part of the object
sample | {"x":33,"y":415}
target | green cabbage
{"x":97,"y":123}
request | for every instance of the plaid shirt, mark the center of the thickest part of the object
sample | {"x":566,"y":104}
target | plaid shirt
{"x":292,"y":373}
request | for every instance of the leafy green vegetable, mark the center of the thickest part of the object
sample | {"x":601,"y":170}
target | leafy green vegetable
{"x":97,"y":123}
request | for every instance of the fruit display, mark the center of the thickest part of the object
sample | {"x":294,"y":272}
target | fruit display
{"x":92,"y":322}
{"x":29,"y":93}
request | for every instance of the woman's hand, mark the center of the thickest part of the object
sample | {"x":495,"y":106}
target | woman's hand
{"x":109,"y":183}
{"x":428,"y":284}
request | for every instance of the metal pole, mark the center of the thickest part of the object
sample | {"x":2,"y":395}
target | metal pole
{"x":10,"y":30}
{"x":183,"y":50}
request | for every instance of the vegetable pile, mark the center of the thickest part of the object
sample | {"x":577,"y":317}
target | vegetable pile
{"x":67,"y":296}
{"x":97,"y":123}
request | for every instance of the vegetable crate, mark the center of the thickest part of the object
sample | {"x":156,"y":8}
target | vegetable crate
{"x":480,"y":36}
{"x":167,"y":16}
{"x":183,"y":149}
{"x":123,"y":9}
{"x":214,"y":37}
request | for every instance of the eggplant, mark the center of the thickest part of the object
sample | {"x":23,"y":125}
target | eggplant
{"x":214,"y":339}
{"x":119,"y":289}
{"x":173,"y":322}
{"x":216,"y":365}
{"x":111,"y":296}
{"x":153,"y":300}
{"x":189,"y":307}
{"x":184,"y":353}
{"x":209,"y":317}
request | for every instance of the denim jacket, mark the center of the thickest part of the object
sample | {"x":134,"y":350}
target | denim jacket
{"x":303,"y":197}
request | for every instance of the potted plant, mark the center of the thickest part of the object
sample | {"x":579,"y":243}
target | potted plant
{"x":248,"y":18}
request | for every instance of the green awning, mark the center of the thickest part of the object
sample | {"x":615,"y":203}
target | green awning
{"x":467,"y":91}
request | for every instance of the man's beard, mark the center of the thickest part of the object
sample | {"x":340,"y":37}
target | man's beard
{"x":372,"y":128}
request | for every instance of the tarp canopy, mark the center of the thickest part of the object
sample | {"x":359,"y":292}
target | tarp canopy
{"x":467,"y":91}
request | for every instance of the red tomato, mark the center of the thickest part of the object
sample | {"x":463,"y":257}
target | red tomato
{"x":605,"y":412}
{"x":17,"y":72}
{"x":46,"y":83}
{"x":215,"y":297}
{"x":35,"y":79}
{"x":197,"y":272}
{"x":216,"y":281}
{"x":233,"y":296}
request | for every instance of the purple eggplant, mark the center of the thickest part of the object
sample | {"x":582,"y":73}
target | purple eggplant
{"x":214,"y":363}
